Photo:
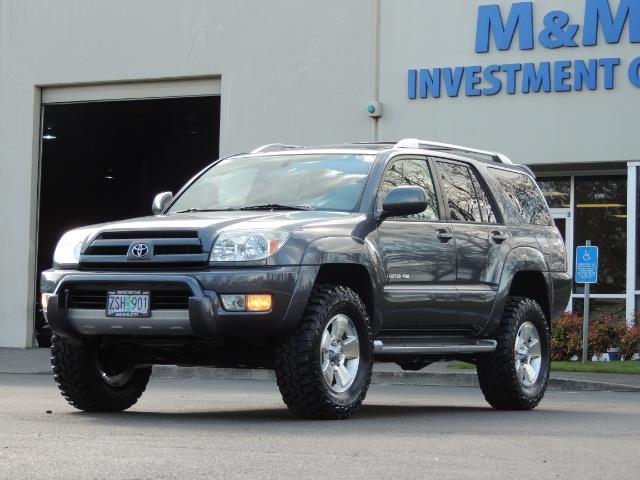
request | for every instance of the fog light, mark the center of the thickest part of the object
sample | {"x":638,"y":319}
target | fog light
{"x":246,"y":303}
{"x":233,"y":303}
{"x":44,"y":301}
{"x":258,"y":303}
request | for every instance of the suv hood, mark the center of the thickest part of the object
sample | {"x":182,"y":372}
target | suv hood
{"x":210,"y":223}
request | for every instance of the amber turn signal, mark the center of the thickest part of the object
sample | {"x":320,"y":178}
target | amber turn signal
{"x":258,"y":303}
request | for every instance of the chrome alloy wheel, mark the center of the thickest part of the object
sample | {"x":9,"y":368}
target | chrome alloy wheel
{"x":339,"y":353}
{"x":528,"y":354}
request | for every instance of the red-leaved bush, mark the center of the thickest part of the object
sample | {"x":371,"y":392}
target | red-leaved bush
{"x":604,"y":333}
{"x":630,"y":342}
{"x":566,"y":337}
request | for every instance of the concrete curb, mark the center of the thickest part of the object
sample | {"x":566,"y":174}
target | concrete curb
{"x":449,"y":379}
{"x":582,"y":385}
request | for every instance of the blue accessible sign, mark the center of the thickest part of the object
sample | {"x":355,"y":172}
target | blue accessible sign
{"x":587,"y":264}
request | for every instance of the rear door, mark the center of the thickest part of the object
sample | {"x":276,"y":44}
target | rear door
{"x":479,"y":238}
{"x":418,"y":253}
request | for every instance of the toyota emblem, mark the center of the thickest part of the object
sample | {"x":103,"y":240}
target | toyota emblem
{"x":140,"y":250}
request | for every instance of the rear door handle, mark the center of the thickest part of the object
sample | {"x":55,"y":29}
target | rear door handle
{"x":444,"y":236}
{"x":498,"y":237}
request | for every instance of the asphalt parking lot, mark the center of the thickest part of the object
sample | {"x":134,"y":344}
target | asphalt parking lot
{"x":241,"y":429}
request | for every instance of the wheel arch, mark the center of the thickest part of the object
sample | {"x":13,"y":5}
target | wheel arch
{"x":525,"y":274}
{"x":353,"y":263}
{"x":532,"y":284}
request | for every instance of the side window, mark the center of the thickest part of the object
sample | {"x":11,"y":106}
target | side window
{"x":414,"y":173}
{"x":524,"y":196}
{"x":460,"y":192}
{"x":486,"y":209}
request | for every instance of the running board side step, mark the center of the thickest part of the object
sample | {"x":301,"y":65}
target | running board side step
{"x":393,"y":346}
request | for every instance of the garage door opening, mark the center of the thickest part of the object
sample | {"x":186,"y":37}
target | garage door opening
{"x":104,"y":161}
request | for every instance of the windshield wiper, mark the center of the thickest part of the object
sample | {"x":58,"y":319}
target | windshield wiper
{"x":275,"y":206}
{"x":192,"y":210}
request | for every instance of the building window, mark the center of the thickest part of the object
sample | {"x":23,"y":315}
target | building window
{"x":602,"y":306}
{"x":637,"y":239}
{"x":557,"y":191}
{"x":601,"y":216}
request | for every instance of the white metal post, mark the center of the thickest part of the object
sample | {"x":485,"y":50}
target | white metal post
{"x":632,"y":217}
{"x":585,"y":320}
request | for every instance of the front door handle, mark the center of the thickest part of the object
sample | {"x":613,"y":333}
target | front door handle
{"x":444,"y":236}
{"x":498,"y":237}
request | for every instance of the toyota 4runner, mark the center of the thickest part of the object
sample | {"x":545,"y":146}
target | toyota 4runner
{"x":317,"y":262}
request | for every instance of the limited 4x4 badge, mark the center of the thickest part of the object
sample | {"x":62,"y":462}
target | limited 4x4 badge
{"x":399,"y":276}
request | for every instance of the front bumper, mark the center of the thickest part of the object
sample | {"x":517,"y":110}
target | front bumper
{"x":204,"y":316}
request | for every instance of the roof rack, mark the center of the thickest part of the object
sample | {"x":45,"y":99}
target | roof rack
{"x":466,"y":151}
{"x":274,"y":147}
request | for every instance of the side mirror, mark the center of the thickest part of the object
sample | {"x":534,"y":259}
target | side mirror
{"x":406,"y":200}
{"x":160,"y":201}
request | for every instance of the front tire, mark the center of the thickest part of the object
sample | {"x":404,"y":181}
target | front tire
{"x":515,"y":376}
{"x":324,"y":367}
{"x":87,"y":384}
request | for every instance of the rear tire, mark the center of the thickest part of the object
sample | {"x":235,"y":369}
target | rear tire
{"x":515,"y":376}
{"x":86,"y":385}
{"x":323,"y":368}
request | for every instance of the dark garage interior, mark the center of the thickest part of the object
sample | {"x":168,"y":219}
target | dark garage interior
{"x":104,"y":161}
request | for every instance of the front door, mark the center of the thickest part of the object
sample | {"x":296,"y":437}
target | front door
{"x":418,"y":253}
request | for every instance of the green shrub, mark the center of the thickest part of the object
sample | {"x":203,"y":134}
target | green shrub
{"x":566,"y":337}
{"x":630,"y":342}
{"x":604,"y":333}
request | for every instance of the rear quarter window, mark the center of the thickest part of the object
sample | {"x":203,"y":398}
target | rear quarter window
{"x":524,"y":197}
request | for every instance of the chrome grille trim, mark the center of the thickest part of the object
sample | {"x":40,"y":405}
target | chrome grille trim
{"x":166,"y":247}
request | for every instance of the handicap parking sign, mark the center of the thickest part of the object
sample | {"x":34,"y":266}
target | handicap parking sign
{"x":587,"y":264}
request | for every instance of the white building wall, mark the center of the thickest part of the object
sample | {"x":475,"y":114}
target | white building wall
{"x":291,"y":71}
{"x":537,"y":128}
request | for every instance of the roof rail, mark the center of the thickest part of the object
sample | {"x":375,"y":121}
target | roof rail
{"x":474,"y":152}
{"x":274,"y":147}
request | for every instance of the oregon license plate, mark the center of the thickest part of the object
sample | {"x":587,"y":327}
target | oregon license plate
{"x":128,"y":303}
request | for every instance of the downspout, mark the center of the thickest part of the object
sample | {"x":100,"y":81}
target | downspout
{"x":376,"y":67}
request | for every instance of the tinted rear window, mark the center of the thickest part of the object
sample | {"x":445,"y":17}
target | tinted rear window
{"x":524,"y":196}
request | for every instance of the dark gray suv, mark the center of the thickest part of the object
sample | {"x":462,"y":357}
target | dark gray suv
{"x":316,"y":262}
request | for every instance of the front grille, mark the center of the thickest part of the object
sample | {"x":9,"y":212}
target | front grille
{"x":177,"y":249}
{"x":107,"y":250}
{"x":95,"y":298}
{"x":169,"y":249}
{"x":170,"y":300}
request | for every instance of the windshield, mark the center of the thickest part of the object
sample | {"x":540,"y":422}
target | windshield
{"x":313,"y":182}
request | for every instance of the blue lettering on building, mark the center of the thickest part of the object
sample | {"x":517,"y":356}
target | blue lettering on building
{"x":500,"y":30}
{"x":634,"y":72}
{"x":598,"y":15}
{"x":559,"y":76}
{"x":490,"y":23}
{"x":537,"y":78}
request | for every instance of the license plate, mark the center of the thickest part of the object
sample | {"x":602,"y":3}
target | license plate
{"x":128,"y":303}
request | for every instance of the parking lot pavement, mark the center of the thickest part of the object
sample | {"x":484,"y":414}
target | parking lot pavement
{"x":241,"y":429}
{"x":36,"y":360}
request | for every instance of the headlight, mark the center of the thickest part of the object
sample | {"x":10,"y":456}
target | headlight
{"x":68,"y":249}
{"x":244,"y":246}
